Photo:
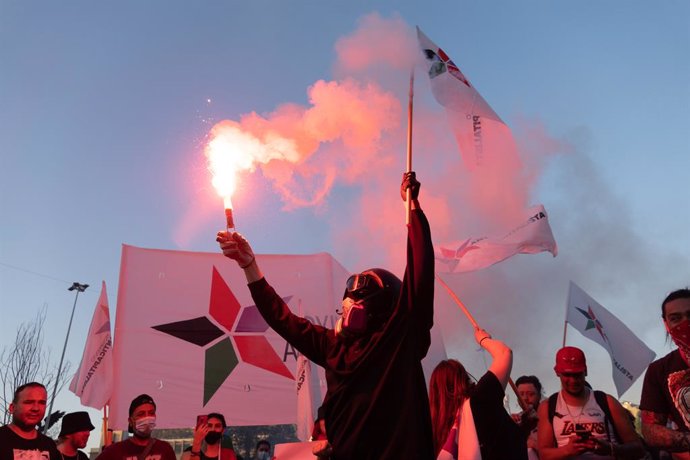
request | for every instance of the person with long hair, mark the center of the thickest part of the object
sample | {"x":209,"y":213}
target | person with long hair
{"x":468,"y":419}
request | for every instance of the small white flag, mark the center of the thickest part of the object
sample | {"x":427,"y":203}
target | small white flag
{"x":530,"y":236}
{"x":93,"y":381}
{"x":629,"y":355}
{"x":307,"y":398}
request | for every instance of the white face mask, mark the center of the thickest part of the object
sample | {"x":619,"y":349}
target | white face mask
{"x":263,"y":456}
{"x":144,"y":426}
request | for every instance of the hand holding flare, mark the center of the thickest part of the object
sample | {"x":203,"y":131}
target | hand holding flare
{"x":236,"y":247}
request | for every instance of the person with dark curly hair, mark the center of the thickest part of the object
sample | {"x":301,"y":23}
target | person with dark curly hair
{"x":665,"y":402}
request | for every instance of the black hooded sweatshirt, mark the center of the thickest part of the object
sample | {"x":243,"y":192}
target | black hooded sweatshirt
{"x":376,"y":406}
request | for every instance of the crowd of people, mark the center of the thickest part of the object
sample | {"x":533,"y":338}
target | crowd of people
{"x":377,"y":405}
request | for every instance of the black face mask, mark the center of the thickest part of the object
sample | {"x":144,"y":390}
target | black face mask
{"x":213,"y":437}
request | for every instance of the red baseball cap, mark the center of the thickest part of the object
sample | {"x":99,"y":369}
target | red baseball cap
{"x":570,"y":359}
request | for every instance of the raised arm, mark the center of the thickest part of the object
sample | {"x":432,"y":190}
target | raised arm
{"x":307,"y":338}
{"x":501,"y":355}
{"x":419,"y":274}
{"x":236,"y":247}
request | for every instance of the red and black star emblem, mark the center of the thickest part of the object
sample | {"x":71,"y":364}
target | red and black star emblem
{"x":228,"y":330}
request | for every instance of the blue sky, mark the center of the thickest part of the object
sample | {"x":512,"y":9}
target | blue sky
{"x":104,"y":109}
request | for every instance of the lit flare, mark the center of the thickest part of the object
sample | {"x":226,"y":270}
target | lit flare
{"x":228,"y":152}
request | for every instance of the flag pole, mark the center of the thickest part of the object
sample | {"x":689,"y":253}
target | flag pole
{"x":565,"y":320}
{"x":458,"y":301}
{"x":467,"y":313}
{"x":409,"y":142}
{"x":104,"y":428}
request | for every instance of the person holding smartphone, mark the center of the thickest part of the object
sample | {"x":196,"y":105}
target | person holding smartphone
{"x":579,"y":423}
{"x":207,"y":440}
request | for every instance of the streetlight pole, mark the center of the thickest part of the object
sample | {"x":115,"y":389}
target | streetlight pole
{"x":79,"y":288}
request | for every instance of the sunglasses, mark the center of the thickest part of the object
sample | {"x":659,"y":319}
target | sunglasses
{"x":362,"y":283}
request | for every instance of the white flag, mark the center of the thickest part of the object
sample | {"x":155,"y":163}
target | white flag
{"x":530,"y":236}
{"x":629,"y":355}
{"x":485,"y":142}
{"x":308,"y":390}
{"x":93,"y":381}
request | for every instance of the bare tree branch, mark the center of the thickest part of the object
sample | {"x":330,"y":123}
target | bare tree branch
{"x":27,"y":360}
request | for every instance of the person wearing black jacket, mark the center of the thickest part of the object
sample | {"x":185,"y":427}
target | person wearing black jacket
{"x":376,"y":405}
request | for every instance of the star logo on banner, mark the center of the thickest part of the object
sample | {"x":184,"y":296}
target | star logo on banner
{"x":593,"y":322}
{"x":452,"y":257}
{"x":440,"y":62}
{"x":223,"y":337}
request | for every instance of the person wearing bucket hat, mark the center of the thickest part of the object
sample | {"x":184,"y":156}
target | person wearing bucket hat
{"x":142,"y":445}
{"x":74,"y":434}
{"x":579,"y":423}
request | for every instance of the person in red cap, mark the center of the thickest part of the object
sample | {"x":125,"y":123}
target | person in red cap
{"x":579,"y":423}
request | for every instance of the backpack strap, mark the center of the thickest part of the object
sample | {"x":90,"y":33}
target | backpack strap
{"x":143,"y":454}
{"x":603,"y":402}
{"x":553,"y":399}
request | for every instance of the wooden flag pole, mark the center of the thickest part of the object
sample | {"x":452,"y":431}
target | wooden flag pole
{"x":458,"y":301}
{"x":104,"y":428}
{"x":565,"y":320}
{"x":409,"y":143}
{"x":467,"y":313}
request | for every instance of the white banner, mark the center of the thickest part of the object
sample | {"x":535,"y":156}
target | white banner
{"x":629,"y":355}
{"x":93,"y":381}
{"x":530,"y":236}
{"x":188,"y":333}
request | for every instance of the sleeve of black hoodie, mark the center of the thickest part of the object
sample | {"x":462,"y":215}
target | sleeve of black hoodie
{"x":309,"y":339}
{"x":418,"y":284}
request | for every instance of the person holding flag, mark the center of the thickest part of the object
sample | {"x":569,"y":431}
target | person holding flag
{"x":468,"y":418}
{"x":376,"y":405}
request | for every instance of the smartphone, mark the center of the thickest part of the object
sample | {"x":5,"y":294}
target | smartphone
{"x":201,"y":420}
{"x":582,"y":433}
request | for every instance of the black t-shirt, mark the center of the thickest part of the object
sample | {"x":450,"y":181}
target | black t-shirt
{"x":80,"y":456}
{"x":227,"y":453}
{"x":667,"y":379}
{"x":500,"y":438}
{"x":376,"y":406}
{"x":14,"y":447}
{"x":127,"y":450}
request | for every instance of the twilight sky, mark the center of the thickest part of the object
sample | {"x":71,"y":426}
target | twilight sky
{"x":105,"y":109}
